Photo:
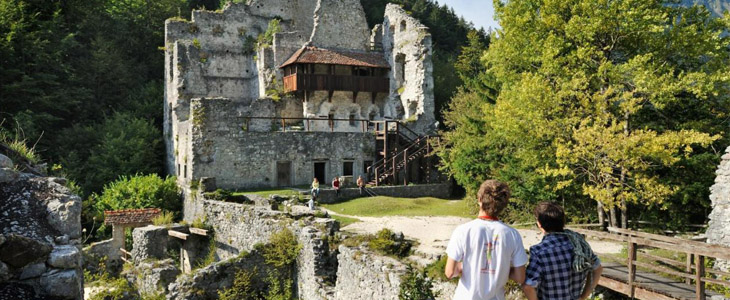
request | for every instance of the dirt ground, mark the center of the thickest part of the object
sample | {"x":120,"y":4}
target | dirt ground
{"x":433,"y":233}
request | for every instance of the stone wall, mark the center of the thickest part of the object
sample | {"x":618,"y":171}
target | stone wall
{"x":239,"y":158}
{"x":40,"y":236}
{"x":718,"y":230}
{"x":364,"y":275}
{"x":437,"y":190}
{"x":407,"y":46}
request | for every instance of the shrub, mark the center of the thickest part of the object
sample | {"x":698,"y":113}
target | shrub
{"x":282,"y":250}
{"x":384,"y":242}
{"x":165,"y":218}
{"x":139,"y":191}
{"x":219,"y":194}
{"x":267,"y":38}
{"x":436,"y":270}
{"x":243,"y":287}
{"x":415,"y":285}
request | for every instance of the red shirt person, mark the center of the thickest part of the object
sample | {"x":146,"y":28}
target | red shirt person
{"x":336,"y":186}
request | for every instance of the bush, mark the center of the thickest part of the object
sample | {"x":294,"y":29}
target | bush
{"x":385,"y":242}
{"x":140,"y":191}
{"x":416,"y":285}
{"x":243,"y":287}
{"x":282,"y":250}
{"x":219,"y":194}
{"x":165,"y":218}
{"x":436,"y":270}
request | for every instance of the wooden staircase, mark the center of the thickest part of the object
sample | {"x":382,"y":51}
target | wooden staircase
{"x":399,"y":148}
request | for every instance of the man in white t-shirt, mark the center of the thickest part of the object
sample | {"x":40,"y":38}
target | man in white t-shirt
{"x":485,"y":252}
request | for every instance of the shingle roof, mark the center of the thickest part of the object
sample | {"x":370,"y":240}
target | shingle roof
{"x":314,"y":55}
{"x":130,"y":216}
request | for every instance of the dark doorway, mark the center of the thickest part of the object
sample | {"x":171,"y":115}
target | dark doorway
{"x":283,"y":173}
{"x":347,"y":168}
{"x":319,"y":172}
{"x":365,"y":166}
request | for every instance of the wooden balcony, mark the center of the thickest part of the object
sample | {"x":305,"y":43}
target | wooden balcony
{"x":325,"y":82}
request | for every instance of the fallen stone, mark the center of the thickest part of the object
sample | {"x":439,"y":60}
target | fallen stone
{"x":62,"y":239}
{"x":33,"y":270}
{"x":4,"y":272}
{"x":62,"y":283}
{"x":65,"y":257}
{"x":5,"y":162}
{"x":8,"y":175}
{"x":18,"y":251}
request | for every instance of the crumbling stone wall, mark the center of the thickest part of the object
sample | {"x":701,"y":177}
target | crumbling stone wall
{"x":407,"y":46}
{"x":364,"y":275}
{"x":239,"y":158}
{"x":718,"y":230}
{"x":40,"y":236}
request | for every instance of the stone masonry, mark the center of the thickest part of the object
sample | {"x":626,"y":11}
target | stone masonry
{"x":219,"y":80}
{"x":718,"y":230}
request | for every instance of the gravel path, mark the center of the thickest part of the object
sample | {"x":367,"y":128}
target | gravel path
{"x":433,"y":233}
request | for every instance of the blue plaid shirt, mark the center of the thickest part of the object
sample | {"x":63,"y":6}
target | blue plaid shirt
{"x":550,"y":269}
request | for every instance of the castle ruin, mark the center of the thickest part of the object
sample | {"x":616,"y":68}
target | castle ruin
{"x":326,"y":96}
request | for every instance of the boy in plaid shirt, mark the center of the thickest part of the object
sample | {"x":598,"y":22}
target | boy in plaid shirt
{"x":560,"y":264}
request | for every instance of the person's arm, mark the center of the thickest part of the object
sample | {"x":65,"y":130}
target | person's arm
{"x":594,"y":282}
{"x":517,"y":274}
{"x":452,"y":269}
{"x":530,"y":292}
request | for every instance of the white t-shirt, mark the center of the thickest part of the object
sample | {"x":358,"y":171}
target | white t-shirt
{"x":487,"y":250}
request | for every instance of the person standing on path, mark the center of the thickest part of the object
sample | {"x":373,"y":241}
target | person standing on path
{"x":562,"y":266}
{"x":485,"y":252}
{"x":336,"y":186}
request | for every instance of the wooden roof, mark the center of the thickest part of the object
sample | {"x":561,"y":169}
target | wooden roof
{"x":314,"y":55}
{"x":130,"y":216}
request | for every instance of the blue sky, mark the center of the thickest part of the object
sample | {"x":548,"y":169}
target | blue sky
{"x":479,"y":12}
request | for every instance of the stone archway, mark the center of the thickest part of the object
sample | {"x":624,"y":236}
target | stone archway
{"x":718,"y":230}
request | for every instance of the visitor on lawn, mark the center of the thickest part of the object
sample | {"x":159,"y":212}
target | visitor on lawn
{"x":315,"y":188}
{"x":562,"y":266}
{"x":360,"y":184}
{"x":336,"y":186}
{"x":486,"y":252}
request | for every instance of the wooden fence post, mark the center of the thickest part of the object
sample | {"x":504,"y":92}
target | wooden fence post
{"x":688,"y":268}
{"x":699,"y":273}
{"x":632,"y":267}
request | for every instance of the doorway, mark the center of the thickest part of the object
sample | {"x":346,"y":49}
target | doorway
{"x":319,"y":172}
{"x":283,"y":173}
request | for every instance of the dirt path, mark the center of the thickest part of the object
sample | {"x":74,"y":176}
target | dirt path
{"x":433,"y":233}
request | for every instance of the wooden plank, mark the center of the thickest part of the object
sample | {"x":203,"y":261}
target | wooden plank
{"x":699,"y":273}
{"x":688,"y":267}
{"x":125,"y":251}
{"x":177,"y":234}
{"x":709,"y":250}
{"x":125,"y":260}
{"x":632,"y":269}
{"x":717,"y":281}
{"x":662,"y":270}
{"x":649,"y":285}
{"x":198,"y":231}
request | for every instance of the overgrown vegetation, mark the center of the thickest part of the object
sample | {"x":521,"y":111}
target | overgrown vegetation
{"x":383,"y":242}
{"x":415,"y":285}
{"x":280,"y":254}
{"x":140,"y":191}
{"x":165,"y":218}
{"x":266,"y":39}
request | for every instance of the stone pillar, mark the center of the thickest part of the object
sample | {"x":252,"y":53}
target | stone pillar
{"x":117,"y":242}
{"x":718,"y":230}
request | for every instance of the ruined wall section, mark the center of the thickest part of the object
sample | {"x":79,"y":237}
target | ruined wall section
{"x":364,"y":275}
{"x":342,"y":107}
{"x":407,"y":46}
{"x":718,"y":230}
{"x":340,"y":24}
{"x":243,"y":153}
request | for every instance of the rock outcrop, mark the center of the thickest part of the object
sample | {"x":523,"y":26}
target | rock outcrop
{"x":40,"y":231}
{"x":718,"y":230}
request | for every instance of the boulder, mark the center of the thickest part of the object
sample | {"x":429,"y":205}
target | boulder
{"x":64,"y":214}
{"x":64,"y":284}
{"x":155,"y":276}
{"x":18,"y":251}
{"x":149,"y":242}
{"x":65,"y":257}
{"x":8,"y":175}
{"x":4,"y":272}
{"x":5,"y":162}
{"x":33,"y":271}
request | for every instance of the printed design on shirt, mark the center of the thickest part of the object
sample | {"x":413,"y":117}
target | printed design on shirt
{"x":489,"y":249}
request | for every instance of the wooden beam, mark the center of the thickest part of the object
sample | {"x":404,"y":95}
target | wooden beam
{"x":632,"y":269}
{"x":329,"y":95}
{"x":177,"y":234}
{"x":198,"y":231}
{"x":699,"y":273}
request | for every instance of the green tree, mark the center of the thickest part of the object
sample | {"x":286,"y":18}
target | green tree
{"x":588,"y":98}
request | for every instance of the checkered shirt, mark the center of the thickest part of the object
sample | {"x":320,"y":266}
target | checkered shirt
{"x":550,"y":269}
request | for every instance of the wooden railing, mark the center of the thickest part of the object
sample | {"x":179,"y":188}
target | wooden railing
{"x":326,"y":82}
{"x":306,"y":124}
{"x":691,"y":270}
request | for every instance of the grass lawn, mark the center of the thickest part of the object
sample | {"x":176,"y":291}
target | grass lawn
{"x":391,"y":206}
{"x":344,"y":221}
{"x":266,"y":192}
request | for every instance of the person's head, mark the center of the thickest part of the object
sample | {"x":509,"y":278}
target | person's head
{"x":359,"y":176}
{"x":493,"y":197}
{"x":315,"y":179}
{"x":550,"y":216}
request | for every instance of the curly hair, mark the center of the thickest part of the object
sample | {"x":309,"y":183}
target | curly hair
{"x":493,"y":197}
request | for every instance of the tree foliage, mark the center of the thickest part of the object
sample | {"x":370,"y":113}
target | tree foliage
{"x":598,"y":101}
{"x":141,"y":191}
